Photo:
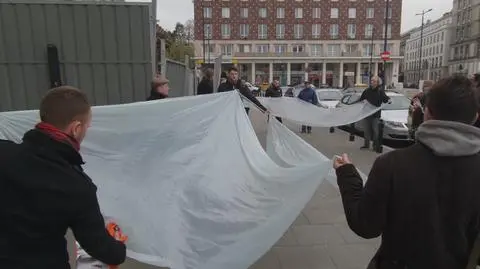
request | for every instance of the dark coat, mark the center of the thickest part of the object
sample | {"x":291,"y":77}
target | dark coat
{"x":423,"y":200}
{"x":375,"y":96}
{"x":273,"y":92}
{"x":43,"y":192}
{"x":229,"y":86}
{"x":309,"y":95}
{"x":154,"y":95}
{"x":205,"y":86}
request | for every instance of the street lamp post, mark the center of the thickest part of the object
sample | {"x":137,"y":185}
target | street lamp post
{"x":385,"y":43}
{"x":203,"y":31}
{"x":371,"y":58}
{"x":421,"y":41}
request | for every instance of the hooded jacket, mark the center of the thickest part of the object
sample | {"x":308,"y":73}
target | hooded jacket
{"x":423,"y":200}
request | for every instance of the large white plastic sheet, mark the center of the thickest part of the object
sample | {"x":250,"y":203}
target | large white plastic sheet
{"x":305,"y":113}
{"x":188,"y":180}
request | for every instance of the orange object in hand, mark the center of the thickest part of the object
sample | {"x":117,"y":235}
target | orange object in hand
{"x":116,"y":232}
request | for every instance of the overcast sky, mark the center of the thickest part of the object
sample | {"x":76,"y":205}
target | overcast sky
{"x":172,"y":11}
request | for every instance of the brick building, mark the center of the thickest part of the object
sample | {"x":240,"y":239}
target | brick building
{"x":326,"y":41}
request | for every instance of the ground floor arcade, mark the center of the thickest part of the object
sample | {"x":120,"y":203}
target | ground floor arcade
{"x":335,"y":74}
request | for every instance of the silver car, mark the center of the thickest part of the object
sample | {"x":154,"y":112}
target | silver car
{"x":394,"y":115}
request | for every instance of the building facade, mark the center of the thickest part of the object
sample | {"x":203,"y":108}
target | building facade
{"x":403,"y":43}
{"x":325,"y":41}
{"x":465,"y":37}
{"x":433,"y":51}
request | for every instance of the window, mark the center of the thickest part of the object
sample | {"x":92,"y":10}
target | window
{"x":209,"y":48}
{"x":262,"y":48}
{"x":334,"y":13}
{"x":316,"y":30}
{"x":207,"y":29}
{"x":225,"y":12}
{"x":333,"y":50}
{"x":244,"y":48}
{"x":298,"y":13}
{"x":367,"y":50}
{"x":262,"y":31}
{"x":243,"y":12}
{"x":298,"y":48}
{"x":262,"y":12}
{"x":370,"y":13}
{"x":280,"y":31}
{"x":225,"y":31}
{"x":351,"y":31}
{"x":389,"y":13}
{"x":281,"y":48}
{"x":368,"y":30}
{"x":207,"y":12}
{"x":244,"y":30}
{"x":227,"y":49}
{"x":389,"y":31}
{"x":298,"y":31}
{"x":352,"y":13}
{"x":334,"y":31}
{"x":316,"y":14}
{"x":280,"y":12}
{"x":316,"y":50}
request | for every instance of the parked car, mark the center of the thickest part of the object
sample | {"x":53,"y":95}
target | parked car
{"x":329,"y":98}
{"x":394,"y":115}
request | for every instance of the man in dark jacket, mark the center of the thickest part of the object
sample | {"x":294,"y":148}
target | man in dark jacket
{"x":159,"y":88}
{"x":375,"y":96}
{"x":206,"y":85}
{"x":44,"y":191}
{"x":233,"y":83}
{"x":423,"y":200}
{"x":308,"y":94}
{"x":274,"y":91}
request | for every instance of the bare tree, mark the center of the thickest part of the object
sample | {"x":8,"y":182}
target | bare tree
{"x":189,"y":30}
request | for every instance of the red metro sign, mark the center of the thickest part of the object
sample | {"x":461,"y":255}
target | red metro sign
{"x":385,"y":55}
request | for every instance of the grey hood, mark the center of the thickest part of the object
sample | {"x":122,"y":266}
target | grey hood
{"x":449,"y":138}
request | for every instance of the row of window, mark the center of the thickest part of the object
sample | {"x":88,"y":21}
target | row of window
{"x":332,"y":50}
{"x":428,"y":40}
{"x":428,"y":63}
{"x":280,"y":13}
{"x":298,"y":31}
{"x":300,"y":0}
{"x":438,"y":49}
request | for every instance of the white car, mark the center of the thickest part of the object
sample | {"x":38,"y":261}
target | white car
{"x":329,"y":98}
{"x":394,"y":115}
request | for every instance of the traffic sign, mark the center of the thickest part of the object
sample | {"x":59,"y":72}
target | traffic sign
{"x":385,"y":55}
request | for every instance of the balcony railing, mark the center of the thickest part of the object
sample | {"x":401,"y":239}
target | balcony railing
{"x":352,"y":54}
{"x":271,"y":54}
{"x":357,"y":53}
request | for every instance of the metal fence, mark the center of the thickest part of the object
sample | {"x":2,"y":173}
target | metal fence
{"x":103,"y":48}
{"x":181,"y":78}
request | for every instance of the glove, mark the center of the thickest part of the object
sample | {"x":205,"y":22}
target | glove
{"x":116,"y":232}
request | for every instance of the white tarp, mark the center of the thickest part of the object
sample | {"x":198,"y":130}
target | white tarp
{"x":305,"y":113}
{"x":188,"y":180}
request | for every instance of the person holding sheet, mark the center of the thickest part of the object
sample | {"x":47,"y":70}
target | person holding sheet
{"x":309,"y":95}
{"x":375,"y":95}
{"x":44,"y":190}
{"x":274,"y":91}
{"x":423,"y":200}
{"x":233,"y":83}
{"x":159,"y":88}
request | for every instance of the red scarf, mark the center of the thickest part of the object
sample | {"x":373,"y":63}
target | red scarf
{"x":58,"y":135}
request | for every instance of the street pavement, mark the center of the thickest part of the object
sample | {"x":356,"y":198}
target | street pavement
{"x":320,"y":237}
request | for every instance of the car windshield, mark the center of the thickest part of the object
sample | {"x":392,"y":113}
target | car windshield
{"x":329,"y":95}
{"x":399,"y":102}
